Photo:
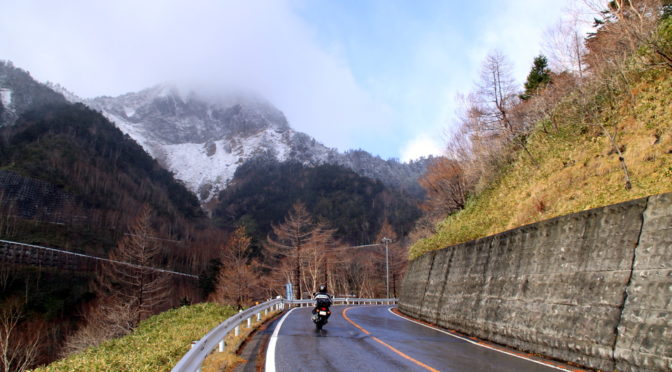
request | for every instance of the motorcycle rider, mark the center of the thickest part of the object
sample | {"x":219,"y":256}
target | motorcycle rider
{"x":322,"y":299}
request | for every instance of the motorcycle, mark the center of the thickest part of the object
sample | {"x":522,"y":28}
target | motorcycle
{"x":321,"y":311}
{"x":321,"y":316}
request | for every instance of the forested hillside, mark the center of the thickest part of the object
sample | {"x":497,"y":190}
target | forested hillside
{"x":592,"y":131}
{"x":104,"y":175}
{"x":71,"y":180}
{"x":263,"y":191}
{"x":21,"y":93}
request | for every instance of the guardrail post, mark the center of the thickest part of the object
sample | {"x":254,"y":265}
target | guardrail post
{"x":249,"y":322}
{"x":221,"y":346}
{"x":259,"y":316}
{"x":236,"y":331}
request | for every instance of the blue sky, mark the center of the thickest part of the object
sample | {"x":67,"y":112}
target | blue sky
{"x":399,"y":51}
{"x":415,"y":56}
{"x":377,"y":75}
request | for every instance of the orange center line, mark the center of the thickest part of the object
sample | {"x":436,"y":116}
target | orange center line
{"x":421,"y":364}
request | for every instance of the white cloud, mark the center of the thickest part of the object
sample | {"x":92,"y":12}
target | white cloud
{"x":422,"y":145}
{"x":518,"y":31}
{"x":110,"y":48}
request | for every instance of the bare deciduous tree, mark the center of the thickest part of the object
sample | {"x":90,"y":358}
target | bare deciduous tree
{"x":489,"y":114}
{"x":626,"y":26}
{"x":564,"y":45}
{"x":288,"y":241}
{"x":18,"y":345}
{"x":237,"y":280}
{"x":104,"y":319}
{"x":136,"y":282}
{"x":495,"y":95}
{"x":318,"y":256}
{"x":128,"y":291}
{"x":446,"y":186}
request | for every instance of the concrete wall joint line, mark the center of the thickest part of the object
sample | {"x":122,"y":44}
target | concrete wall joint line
{"x":443,"y":287}
{"x":572,"y":272}
{"x":429,"y":274}
{"x":535,"y":301}
{"x":629,"y":283}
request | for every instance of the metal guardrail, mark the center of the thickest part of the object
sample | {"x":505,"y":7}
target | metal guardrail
{"x":347,"y":301}
{"x":193,"y":359}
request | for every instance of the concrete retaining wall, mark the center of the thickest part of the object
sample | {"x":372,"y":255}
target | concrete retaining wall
{"x":593,"y":287}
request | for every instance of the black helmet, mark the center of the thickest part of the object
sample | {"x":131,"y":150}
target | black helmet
{"x":323,"y":288}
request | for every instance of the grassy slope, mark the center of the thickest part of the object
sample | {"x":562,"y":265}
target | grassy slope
{"x":156,"y":345}
{"x":576,"y":171}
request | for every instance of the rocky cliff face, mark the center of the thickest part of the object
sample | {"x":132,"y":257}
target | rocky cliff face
{"x":203,"y":139}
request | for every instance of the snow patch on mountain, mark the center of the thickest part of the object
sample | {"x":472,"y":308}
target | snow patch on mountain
{"x":135,"y":131}
{"x":203,"y":138}
{"x":207,"y":168}
{"x":6,"y":97}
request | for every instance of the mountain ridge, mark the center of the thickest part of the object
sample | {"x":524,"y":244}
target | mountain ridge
{"x":204,"y":138}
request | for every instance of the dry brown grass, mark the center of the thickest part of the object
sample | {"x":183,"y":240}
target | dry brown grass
{"x":577,"y":171}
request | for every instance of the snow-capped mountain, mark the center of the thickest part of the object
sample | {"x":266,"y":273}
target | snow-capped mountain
{"x":19,"y":93}
{"x":202,"y":139}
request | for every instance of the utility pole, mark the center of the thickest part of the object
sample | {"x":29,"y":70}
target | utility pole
{"x":387,"y":241}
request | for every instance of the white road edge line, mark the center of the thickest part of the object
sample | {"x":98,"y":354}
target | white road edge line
{"x":270,"y":352}
{"x":478,"y":344}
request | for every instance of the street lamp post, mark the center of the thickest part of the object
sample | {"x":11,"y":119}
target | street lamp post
{"x":386,"y":241}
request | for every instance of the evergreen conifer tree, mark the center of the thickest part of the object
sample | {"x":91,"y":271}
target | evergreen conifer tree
{"x":539,"y":76}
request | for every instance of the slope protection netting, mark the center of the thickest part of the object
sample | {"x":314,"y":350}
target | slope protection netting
{"x":34,"y":199}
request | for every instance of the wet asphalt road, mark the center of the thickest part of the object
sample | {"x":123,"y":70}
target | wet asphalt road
{"x":341,"y":346}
